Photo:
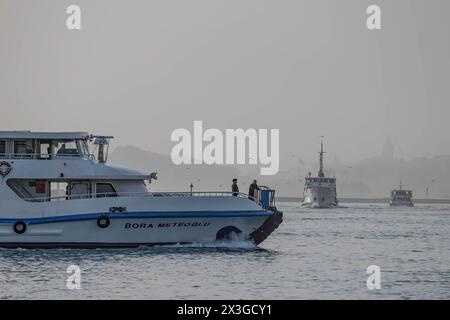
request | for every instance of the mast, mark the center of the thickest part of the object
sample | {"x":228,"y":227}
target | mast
{"x":321,"y":174}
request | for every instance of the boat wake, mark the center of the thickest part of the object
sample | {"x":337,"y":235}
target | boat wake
{"x":233,"y":244}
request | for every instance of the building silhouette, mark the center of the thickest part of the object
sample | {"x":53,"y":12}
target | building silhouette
{"x":388,"y":150}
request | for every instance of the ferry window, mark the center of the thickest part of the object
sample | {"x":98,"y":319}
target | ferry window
{"x":45,"y":149}
{"x":2,"y":148}
{"x":60,"y":190}
{"x":83,"y":146}
{"x":105,"y":190}
{"x":66,"y":148}
{"x":80,"y":190}
{"x":23,"y":149}
{"x":40,"y":186}
{"x":27,"y":189}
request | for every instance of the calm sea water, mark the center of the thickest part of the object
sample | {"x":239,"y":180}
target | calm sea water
{"x":315,"y":254}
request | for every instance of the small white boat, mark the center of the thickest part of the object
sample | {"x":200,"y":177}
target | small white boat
{"x":400,"y":197}
{"x":55,"y":193}
{"x":320,"y":191}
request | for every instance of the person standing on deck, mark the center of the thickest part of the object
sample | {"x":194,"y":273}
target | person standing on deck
{"x":235,"y":188}
{"x":251,"y":190}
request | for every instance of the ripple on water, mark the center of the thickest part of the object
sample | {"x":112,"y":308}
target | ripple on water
{"x":314,"y":254}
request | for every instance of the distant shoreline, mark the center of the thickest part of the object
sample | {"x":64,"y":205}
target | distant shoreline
{"x":368,"y":200}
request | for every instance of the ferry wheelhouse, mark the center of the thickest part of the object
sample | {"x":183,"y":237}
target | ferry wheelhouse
{"x":55,"y":193}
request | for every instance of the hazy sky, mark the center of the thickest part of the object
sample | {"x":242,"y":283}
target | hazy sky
{"x":140,"y":69}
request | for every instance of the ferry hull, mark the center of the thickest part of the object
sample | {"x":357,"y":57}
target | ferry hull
{"x":132,"y":229}
{"x":319,"y":198}
{"x":131,"y":232}
{"x":401,"y":204}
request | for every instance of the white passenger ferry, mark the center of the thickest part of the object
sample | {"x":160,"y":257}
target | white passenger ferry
{"x":320,"y":191}
{"x":401,"y":197}
{"x":55,"y":193}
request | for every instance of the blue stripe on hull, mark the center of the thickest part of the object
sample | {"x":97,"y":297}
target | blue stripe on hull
{"x":134,"y":215}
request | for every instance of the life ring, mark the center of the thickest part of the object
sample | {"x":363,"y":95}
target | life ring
{"x":5,"y":168}
{"x":20,"y":227}
{"x":103,"y":222}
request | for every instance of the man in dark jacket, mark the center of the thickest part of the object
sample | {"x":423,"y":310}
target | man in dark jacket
{"x":251,"y":190}
{"x":235,"y":188}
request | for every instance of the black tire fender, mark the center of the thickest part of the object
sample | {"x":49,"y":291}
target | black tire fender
{"x":20,"y":227}
{"x":225,"y":233}
{"x":103,"y":221}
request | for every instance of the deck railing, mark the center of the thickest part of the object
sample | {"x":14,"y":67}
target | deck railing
{"x":143,"y":194}
{"x":45,"y":156}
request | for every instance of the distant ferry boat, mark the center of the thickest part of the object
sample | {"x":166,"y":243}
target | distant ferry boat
{"x":55,"y":193}
{"x":320,"y":191}
{"x":400,"y":197}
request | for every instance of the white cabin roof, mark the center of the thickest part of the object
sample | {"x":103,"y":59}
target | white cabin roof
{"x":44,"y":135}
{"x":72,"y":170}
